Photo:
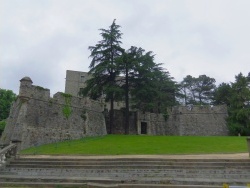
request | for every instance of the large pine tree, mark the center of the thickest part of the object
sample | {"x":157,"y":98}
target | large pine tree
{"x":197,"y":90}
{"x":147,"y":84}
{"x":103,"y":67}
{"x":140,"y":80}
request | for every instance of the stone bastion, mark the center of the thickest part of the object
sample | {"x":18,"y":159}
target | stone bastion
{"x":36,"y":118}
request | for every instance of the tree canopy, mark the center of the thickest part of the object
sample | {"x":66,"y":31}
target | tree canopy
{"x":6,"y":99}
{"x":130,"y":75}
{"x":239,"y":106}
{"x":103,"y":67}
{"x":133,"y":75}
{"x":198,"y":90}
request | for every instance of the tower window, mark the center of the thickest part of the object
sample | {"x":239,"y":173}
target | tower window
{"x":82,"y":78}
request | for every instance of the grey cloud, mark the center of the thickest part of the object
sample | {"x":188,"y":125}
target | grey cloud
{"x":42,"y":39}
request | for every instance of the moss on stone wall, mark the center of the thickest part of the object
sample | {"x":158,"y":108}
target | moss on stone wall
{"x":83,"y":115}
{"x":40,"y":88}
{"x":66,"y":109}
{"x":166,"y":116}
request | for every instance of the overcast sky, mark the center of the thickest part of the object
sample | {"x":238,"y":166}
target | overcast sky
{"x":44,"y":38}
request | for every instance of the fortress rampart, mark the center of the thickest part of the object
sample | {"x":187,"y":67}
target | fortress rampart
{"x":186,"y":120}
{"x":178,"y":121}
{"x":37,"y":119}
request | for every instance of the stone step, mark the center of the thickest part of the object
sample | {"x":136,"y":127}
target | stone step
{"x":134,"y":166}
{"x":54,"y":158}
{"x":130,"y":173}
{"x":57,"y":179}
{"x":167,"y":182}
{"x":137,"y":171}
{"x":129,"y":163}
{"x":91,"y":162}
{"x":99,"y":185}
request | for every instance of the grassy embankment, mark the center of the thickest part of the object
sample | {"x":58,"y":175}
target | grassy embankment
{"x":134,"y":144}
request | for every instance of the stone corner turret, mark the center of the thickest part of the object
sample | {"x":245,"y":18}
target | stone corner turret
{"x":25,"y":87}
{"x":26,"y":79}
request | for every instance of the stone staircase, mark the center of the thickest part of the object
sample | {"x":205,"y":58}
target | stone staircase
{"x":125,"y":172}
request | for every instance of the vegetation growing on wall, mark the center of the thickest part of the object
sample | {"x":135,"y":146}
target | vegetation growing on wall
{"x":40,"y":88}
{"x":50,"y":102}
{"x":166,"y":116}
{"x":66,"y":109}
{"x":83,"y":115}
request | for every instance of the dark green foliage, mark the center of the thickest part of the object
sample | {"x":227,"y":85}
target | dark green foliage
{"x":187,"y":89}
{"x":205,"y":87}
{"x":65,"y":95}
{"x":66,"y":108}
{"x":40,"y":88}
{"x":236,"y":96}
{"x":127,"y":75}
{"x":66,"y":111}
{"x":223,"y":94}
{"x":149,"y":86}
{"x":166,"y":92}
{"x":239,"y":106}
{"x":6,"y":99}
{"x":83,"y":115}
{"x":50,"y":102}
{"x":2,"y":126}
{"x":104,"y":69}
{"x":197,"y":90}
{"x":103,"y":66}
{"x":166,"y":116}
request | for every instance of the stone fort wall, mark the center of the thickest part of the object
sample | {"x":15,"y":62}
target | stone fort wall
{"x":37,"y":119}
{"x":179,"y":121}
{"x":186,"y":120}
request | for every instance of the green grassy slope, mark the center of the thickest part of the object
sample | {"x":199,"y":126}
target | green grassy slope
{"x":135,"y":144}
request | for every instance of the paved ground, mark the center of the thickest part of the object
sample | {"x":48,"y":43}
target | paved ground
{"x":201,"y":156}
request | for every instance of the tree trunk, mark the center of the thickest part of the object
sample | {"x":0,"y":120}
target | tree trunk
{"x":111,"y":115}
{"x":185,"y":96}
{"x":126,"y":103}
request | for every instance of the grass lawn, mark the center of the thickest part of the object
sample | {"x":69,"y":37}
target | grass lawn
{"x":143,"y":144}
